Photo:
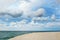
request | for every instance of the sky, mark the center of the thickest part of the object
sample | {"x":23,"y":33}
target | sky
{"x":29,"y":15}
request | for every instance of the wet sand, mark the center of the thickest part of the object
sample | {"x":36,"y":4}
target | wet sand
{"x":39,"y":36}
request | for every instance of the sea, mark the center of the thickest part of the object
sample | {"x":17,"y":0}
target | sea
{"x":5,"y":35}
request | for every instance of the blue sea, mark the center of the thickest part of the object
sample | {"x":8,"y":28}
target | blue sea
{"x":5,"y":35}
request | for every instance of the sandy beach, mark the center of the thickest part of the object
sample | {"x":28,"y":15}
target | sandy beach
{"x":39,"y":36}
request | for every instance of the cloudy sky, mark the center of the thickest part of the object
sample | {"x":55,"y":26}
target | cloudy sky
{"x":29,"y":15}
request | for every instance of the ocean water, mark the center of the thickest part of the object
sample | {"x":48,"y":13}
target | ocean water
{"x":5,"y":35}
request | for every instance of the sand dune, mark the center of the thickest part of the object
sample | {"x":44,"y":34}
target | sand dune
{"x":39,"y":36}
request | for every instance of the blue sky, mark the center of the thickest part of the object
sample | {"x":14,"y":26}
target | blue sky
{"x":29,"y":15}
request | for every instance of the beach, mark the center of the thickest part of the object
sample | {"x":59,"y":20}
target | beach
{"x":38,"y":36}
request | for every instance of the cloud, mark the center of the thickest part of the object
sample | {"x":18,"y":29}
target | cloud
{"x":53,"y":24}
{"x":53,"y":17}
{"x":4,"y":4}
{"x":40,"y":19}
{"x":39,"y":12}
{"x":20,"y":7}
{"x":31,"y":26}
{"x":31,"y":12}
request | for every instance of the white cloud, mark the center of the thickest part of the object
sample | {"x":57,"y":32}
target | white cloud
{"x":25,"y":8}
{"x":53,"y":24}
{"x":39,"y":12}
{"x":17,"y":7}
{"x":23,"y":26}
{"x":2,"y":25}
{"x":4,"y":4}
{"x":40,"y":18}
{"x":53,"y":17}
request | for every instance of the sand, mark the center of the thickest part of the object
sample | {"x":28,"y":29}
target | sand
{"x":39,"y":36}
